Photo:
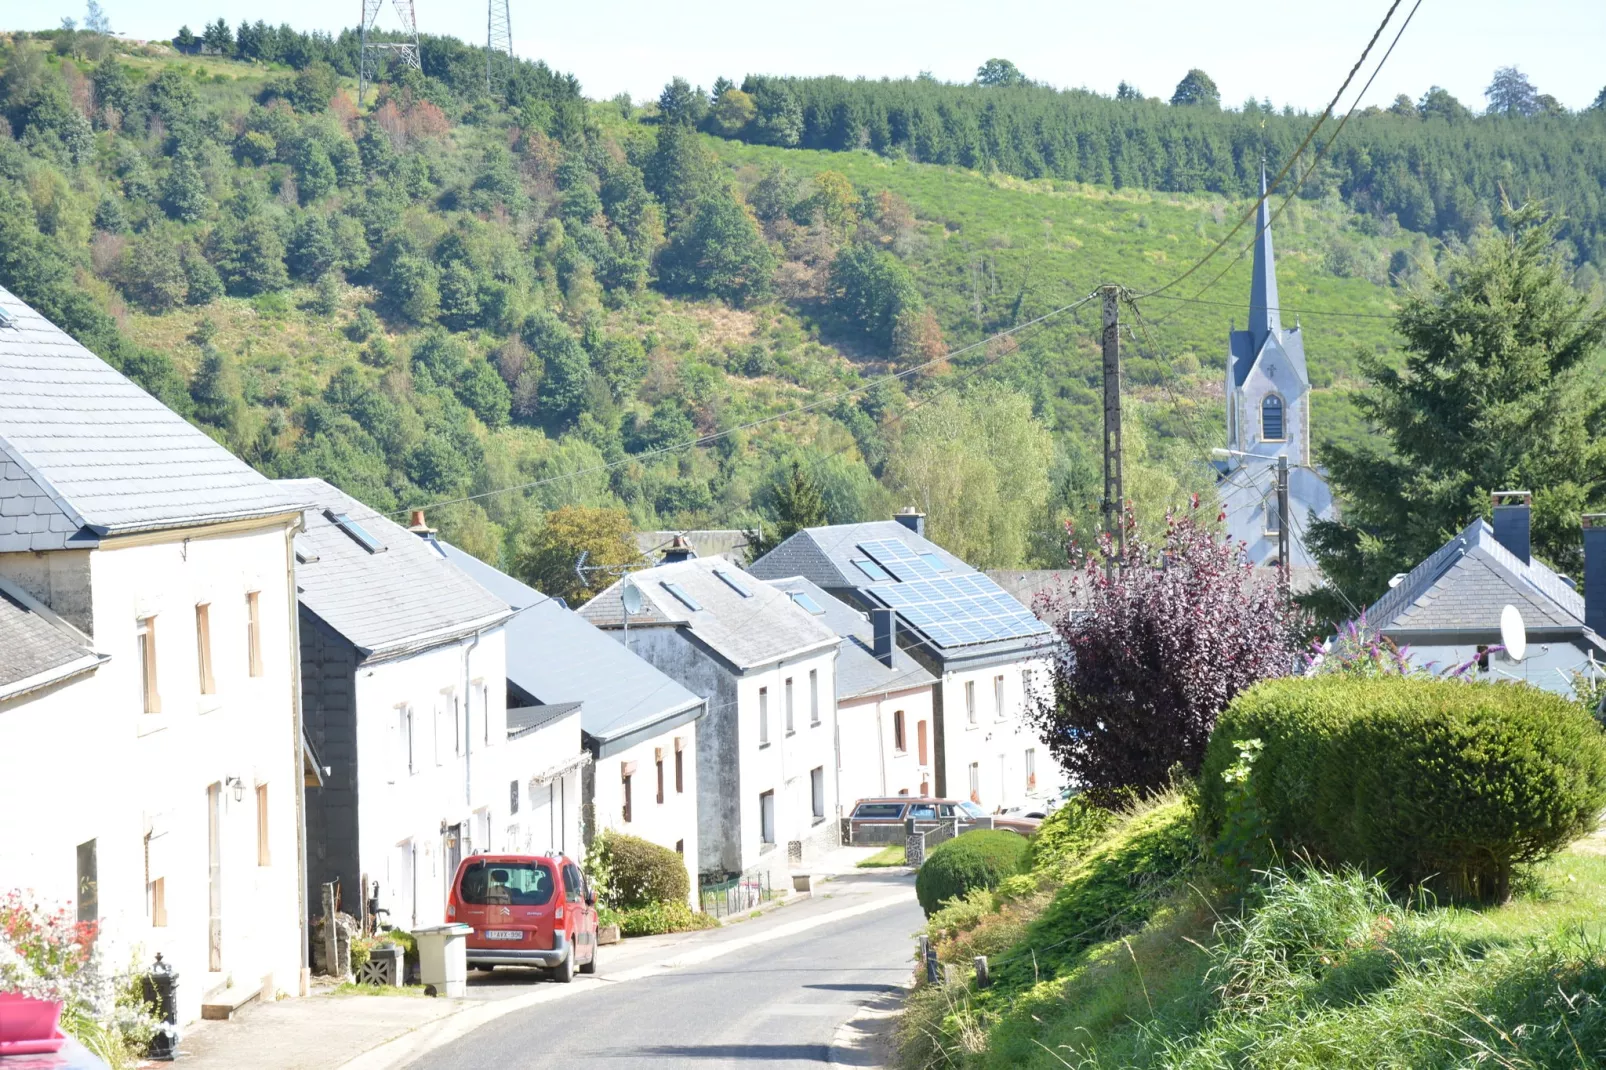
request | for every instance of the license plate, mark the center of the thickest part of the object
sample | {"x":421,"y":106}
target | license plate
{"x":503,"y":934}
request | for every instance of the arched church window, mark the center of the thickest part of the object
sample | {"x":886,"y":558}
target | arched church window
{"x":1271,"y":419}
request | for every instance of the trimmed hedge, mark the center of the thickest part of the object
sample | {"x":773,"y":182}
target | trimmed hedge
{"x":971,"y":860}
{"x":643,"y":873}
{"x":1424,"y":778}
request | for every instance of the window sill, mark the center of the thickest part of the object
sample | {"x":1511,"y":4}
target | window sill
{"x":790,"y":732}
{"x":815,"y":724}
{"x":149,"y":724}
{"x":208,"y":704}
{"x":764,"y":745}
{"x":972,"y":727}
{"x":819,"y":819}
{"x":765,"y":848}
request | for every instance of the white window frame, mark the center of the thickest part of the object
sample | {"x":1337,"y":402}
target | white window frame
{"x":814,"y":697}
{"x":970,"y":703}
{"x":791,"y":725}
{"x":763,"y":717}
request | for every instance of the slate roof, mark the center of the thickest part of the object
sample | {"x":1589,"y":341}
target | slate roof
{"x":825,"y":556}
{"x":1266,"y":332}
{"x":522,"y":720}
{"x":555,"y":655}
{"x":85,"y":453}
{"x":759,"y":629}
{"x":37,"y":647}
{"x":858,"y":671}
{"x":403,"y":598}
{"x":1462,"y":587}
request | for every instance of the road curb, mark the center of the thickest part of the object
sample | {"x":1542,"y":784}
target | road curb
{"x":854,"y":1044}
{"x":402,"y":1050}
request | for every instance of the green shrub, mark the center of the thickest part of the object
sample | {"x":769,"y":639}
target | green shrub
{"x":669,"y":916}
{"x":643,"y":873}
{"x":973,"y":860}
{"x":1423,"y":778}
{"x":1067,"y":833}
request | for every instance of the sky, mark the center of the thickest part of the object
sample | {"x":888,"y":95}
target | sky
{"x":1293,"y":53}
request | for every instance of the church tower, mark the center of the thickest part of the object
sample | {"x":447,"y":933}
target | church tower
{"x":1268,"y":417}
{"x":1268,"y":388}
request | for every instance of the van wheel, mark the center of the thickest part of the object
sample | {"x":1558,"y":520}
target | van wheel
{"x":564,"y":971}
{"x":591,"y":964}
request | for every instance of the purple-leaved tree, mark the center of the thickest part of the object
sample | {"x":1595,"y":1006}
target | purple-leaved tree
{"x":1150,"y":656}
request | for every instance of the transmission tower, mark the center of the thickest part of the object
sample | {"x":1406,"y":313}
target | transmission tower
{"x":404,"y":51}
{"x":498,"y":43}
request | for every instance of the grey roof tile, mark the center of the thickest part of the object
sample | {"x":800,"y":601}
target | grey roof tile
{"x":556,"y":655}
{"x":404,"y":597}
{"x":858,"y":670}
{"x":750,"y":631}
{"x":84,"y":445}
{"x":35,"y":644}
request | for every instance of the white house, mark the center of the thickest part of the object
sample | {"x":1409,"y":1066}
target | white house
{"x":149,"y":727}
{"x":1268,"y":418}
{"x":885,"y":700}
{"x":1447,"y":609}
{"x":404,"y":693}
{"x":766,"y":748}
{"x":985,"y":648}
{"x":638,"y":726}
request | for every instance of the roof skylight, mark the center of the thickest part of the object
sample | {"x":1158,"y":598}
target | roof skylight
{"x":680,"y":594}
{"x":730,"y":581}
{"x":871,"y":569}
{"x":807,"y":603}
{"x":935,"y":562}
{"x":358,"y":533}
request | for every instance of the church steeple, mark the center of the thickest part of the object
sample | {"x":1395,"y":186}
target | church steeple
{"x":1263,"y":305}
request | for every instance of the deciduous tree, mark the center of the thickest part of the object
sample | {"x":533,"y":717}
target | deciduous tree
{"x":545,"y":557}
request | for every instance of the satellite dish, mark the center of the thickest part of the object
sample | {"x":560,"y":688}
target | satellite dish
{"x":1513,"y":634}
{"x":630,"y":594}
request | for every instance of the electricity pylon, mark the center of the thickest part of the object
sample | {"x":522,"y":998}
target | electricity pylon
{"x":498,"y":42}
{"x":404,"y":51}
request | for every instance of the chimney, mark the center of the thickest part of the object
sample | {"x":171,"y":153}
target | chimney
{"x":914,"y":521}
{"x":885,"y":622}
{"x":1595,"y":572}
{"x":1512,"y":510}
{"x":418,"y":527}
{"x":679,"y":550}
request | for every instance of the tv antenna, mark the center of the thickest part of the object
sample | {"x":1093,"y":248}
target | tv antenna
{"x":498,"y":43}
{"x":404,"y":51}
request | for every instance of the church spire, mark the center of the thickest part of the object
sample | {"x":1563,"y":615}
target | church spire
{"x":1263,"y":304}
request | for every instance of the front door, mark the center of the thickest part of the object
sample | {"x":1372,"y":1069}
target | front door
{"x":452,"y":853}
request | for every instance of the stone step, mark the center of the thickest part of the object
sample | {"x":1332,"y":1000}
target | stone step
{"x":220,"y":1006}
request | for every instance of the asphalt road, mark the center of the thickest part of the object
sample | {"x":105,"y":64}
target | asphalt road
{"x":772,"y":996}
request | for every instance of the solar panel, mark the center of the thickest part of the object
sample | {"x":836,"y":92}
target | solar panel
{"x":897,"y":558}
{"x":960,"y":610}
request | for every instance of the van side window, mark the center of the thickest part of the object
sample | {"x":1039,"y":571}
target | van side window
{"x":571,"y":883}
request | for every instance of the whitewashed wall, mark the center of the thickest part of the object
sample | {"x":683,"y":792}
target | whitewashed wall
{"x":89,"y":764}
{"x":457,"y":775}
{"x":996,"y":740}
{"x":872,"y":764}
{"x":671,"y":822}
{"x":1546,"y":665}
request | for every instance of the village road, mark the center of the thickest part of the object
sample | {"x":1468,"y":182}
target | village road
{"x":776,"y":1001}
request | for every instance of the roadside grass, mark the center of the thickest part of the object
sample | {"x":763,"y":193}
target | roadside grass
{"x":889,"y":856}
{"x":351,"y":988}
{"x":1311,"y":969}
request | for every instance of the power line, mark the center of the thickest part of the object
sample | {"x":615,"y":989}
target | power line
{"x":1279,"y":308}
{"x":762,"y":421}
{"x":1315,"y":160}
{"x":1283,"y":173}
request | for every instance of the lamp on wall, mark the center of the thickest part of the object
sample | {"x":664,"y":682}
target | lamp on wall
{"x":239,"y":787}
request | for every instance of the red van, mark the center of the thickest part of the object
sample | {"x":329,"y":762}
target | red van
{"x":526,"y":910}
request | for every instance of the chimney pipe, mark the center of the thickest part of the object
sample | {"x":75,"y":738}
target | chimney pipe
{"x":1595,"y":572}
{"x":913,"y":520}
{"x":680,"y":549}
{"x":1512,"y":517}
{"x":418,"y":527}
{"x":885,"y":622}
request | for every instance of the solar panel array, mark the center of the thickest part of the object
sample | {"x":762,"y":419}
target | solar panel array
{"x":951,"y":609}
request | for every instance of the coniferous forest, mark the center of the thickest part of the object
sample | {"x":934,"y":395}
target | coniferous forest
{"x":451,"y":288}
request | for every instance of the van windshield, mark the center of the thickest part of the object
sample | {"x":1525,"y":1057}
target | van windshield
{"x":520,"y":884}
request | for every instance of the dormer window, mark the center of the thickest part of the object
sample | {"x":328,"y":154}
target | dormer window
{"x":1271,"y":419}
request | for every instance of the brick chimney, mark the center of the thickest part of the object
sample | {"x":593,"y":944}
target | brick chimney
{"x":1512,"y":517}
{"x":885,"y":622}
{"x":679,"y":550}
{"x":418,"y":527}
{"x":911,"y":519}
{"x":1595,"y":571}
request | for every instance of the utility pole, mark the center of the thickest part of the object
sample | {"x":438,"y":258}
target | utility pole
{"x":371,"y":51}
{"x":498,"y":42}
{"x":1282,"y":521}
{"x":1114,"y":497}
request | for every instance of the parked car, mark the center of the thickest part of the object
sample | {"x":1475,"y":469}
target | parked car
{"x":526,"y":910}
{"x":894,"y":810}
